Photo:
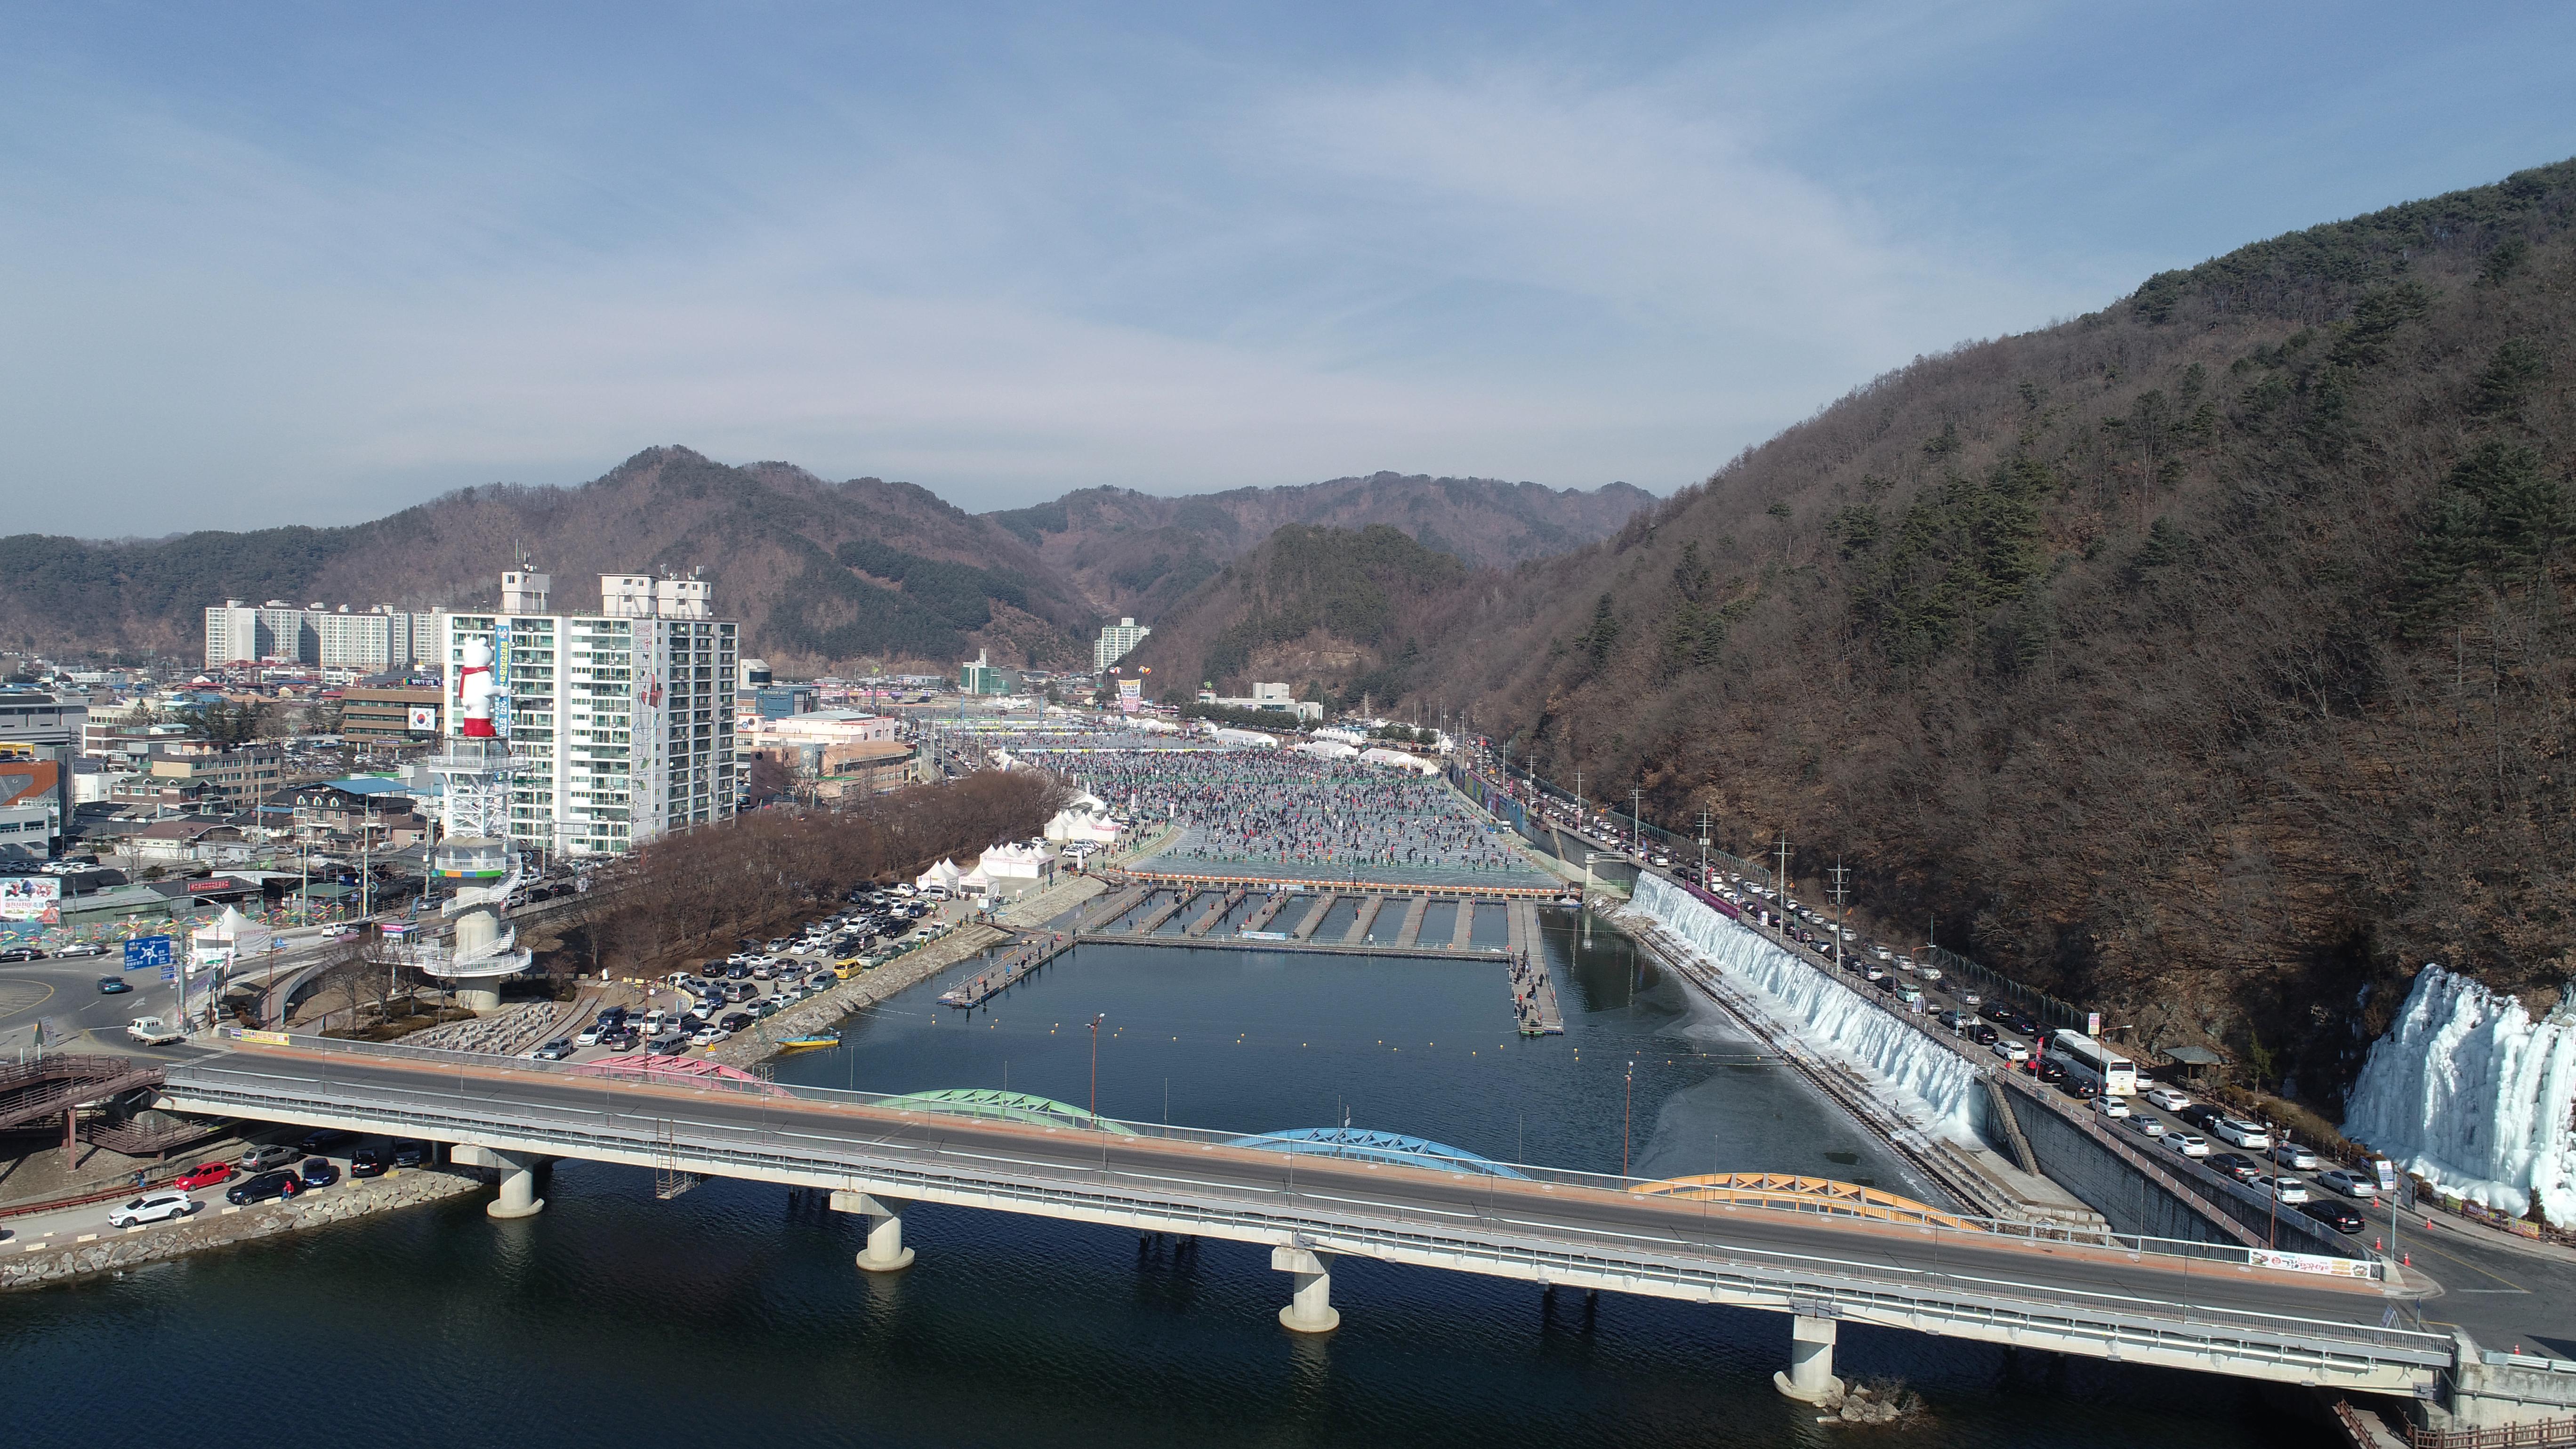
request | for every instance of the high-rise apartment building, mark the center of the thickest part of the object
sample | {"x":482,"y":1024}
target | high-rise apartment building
{"x":622,"y":720}
{"x":372,"y":640}
{"x":1114,"y":643}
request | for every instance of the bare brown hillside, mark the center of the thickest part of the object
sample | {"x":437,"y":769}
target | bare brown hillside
{"x":1138,"y":554}
{"x":2207,"y":658}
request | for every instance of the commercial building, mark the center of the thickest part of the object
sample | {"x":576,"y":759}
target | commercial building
{"x":622,"y":720}
{"x":1267,"y":696}
{"x":1114,"y":643}
{"x":778,"y":701}
{"x":379,"y":638}
{"x":399,"y":713}
{"x":981,"y":676}
{"x":40,"y":735}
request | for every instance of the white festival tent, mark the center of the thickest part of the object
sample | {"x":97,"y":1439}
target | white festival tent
{"x":944,"y":875}
{"x":1401,"y":760}
{"x":1328,"y":749}
{"x":1014,"y":862}
{"x":233,"y":937}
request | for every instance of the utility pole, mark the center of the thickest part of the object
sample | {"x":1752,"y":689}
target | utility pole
{"x":1703,"y":848}
{"x":1782,"y":881}
{"x":1637,"y":818}
{"x":1841,"y":913}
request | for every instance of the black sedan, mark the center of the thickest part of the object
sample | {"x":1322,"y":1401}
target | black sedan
{"x":368,"y":1162}
{"x":263,"y":1187}
{"x":113,"y":985}
{"x":2334,"y":1215}
{"x":22,"y":953}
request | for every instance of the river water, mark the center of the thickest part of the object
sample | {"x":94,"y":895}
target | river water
{"x":732,"y":1314}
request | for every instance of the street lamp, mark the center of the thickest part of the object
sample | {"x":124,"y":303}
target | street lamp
{"x":1095,"y":1061}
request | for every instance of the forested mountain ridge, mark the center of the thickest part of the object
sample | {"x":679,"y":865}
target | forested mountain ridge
{"x":825,"y":575}
{"x":922,"y":580}
{"x":1335,"y":613}
{"x":1140,"y":554}
{"x":2206,"y":658}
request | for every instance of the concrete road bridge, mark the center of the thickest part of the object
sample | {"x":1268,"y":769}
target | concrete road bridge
{"x":1824,"y":1254}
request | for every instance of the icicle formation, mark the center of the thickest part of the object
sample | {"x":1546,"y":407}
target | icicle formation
{"x":1924,"y":1081}
{"x":2466,"y":1091}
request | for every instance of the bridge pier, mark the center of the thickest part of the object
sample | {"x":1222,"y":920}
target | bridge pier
{"x":885,"y":1251}
{"x":518,"y":1171}
{"x":1810,"y":1378}
{"x":1310,"y":1301}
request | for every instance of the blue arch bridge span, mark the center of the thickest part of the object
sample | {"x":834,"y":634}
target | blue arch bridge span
{"x":1821,"y":1252}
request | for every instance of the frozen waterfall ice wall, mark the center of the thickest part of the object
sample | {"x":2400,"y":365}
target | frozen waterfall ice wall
{"x":1927,"y":1082}
{"x":2467,"y":1091}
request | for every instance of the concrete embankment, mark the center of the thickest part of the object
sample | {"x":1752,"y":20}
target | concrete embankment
{"x":44,"y":1261}
{"x":760,"y":1042}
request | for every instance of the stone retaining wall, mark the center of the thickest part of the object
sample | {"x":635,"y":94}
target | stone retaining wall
{"x":219,"y":1225}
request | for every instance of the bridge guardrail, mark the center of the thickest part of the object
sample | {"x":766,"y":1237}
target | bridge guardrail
{"x":2137,"y":1243}
{"x":1334,"y":1227}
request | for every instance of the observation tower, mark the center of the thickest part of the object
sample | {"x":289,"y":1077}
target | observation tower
{"x":474,"y":857}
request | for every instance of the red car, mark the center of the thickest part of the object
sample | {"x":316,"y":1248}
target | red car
{"x":204,"y":1174}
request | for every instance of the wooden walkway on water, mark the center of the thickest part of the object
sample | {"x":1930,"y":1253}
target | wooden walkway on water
{"x":1007,"y":970}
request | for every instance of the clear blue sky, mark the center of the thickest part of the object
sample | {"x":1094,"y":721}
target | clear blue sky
{"x":278,"y":263}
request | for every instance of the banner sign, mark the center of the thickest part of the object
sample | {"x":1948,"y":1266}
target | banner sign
{"x":145,"y":951}
{"x":501,"y":678}
{"x":31,"y":898}
{"x":1131,"y":694}
{"x":2314,"y":1263}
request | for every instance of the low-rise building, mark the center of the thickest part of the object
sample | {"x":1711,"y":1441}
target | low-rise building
{"x":226,"y":777}
{"x":391,"y":713}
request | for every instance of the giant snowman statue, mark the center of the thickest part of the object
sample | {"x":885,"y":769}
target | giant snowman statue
{"x":474,"y":690}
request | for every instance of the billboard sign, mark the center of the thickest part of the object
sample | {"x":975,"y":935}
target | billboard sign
{"x":1130,"y":695}
{"x":31,"y":898}
{"x":2093,"y":1023}
{"x":423,"y":720}
{"x":145,"y":951}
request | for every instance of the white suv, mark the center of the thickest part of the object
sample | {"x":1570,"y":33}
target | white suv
{"x":2242,"y":1133}
{"x":152,"y":1207}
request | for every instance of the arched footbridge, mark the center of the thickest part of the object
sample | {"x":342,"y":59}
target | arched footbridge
{"x":1822,"y":1252}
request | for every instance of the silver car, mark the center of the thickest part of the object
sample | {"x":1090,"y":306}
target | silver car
{"x":2292,"y":1155}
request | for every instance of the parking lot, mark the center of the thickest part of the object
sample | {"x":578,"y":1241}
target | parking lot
{"x":704,"y":1005}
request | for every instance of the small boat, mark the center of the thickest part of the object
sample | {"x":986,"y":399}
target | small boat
{"x":809,"y":1043}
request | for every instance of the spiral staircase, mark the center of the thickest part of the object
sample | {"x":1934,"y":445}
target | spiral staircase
{"x":480,"y":950}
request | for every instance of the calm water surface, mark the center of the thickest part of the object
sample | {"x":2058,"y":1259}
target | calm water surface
{"x":733,"y":1316}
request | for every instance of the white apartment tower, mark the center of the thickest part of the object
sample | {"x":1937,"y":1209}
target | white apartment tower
{"x":1115,"y":640}
{"x":621,"y":721}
